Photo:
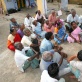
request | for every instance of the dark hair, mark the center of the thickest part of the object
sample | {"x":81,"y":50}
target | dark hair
{"x":48,"y":35}
{"x":36,"y":12}
{"x":12,"y":30}
{"x":79,"y":55}
{"x":73,"y":22}
{"x":53,"y":70}
{"x":59,"y":23}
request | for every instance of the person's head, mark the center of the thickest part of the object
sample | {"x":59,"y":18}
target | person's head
{"x":18,"y":46}
{"x":28,"y":16}
{"x":47,"y":22}
{"x":49,"y":36}
{"x":27,"y":32}
{"x":73,"y":12}
{"x":53,"y":70}
{"x":57,"y":18}
{"x":73,"y":24}
{"x":13,"y":20}
{"x":13,"y":31}
{"x":59,"y":25}
{"x":35,"y":22}
{"x":53,"y":13}
{"x":79,"y":55}
{"x":22,"y":26}
{"x":39,"y":12}
{"x":47,"y":56}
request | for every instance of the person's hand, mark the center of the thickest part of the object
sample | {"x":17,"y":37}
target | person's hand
{"x":78,"y":41}
{"x":64,"y":55}
{"x":75,"y":40}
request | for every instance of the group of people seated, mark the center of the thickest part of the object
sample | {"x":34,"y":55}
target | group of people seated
{"x":32,"y":43}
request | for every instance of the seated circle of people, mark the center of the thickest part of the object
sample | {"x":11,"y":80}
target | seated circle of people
{"x":39,"y":38}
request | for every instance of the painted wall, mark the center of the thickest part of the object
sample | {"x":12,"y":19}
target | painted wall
{"x":42,"y":6}
{"x":4,"y":6}
{"x":75,"y":1}
{"x":10,"y":4}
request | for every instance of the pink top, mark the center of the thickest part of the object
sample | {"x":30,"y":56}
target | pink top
{"x":52,"y":18}
{"x":76,"y":32}
{"x":47,"y":29}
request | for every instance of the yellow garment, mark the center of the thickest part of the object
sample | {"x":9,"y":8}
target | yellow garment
{"x":56,"y":30}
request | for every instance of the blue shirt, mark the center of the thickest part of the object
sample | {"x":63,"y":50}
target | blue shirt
{"x":13,"y":24}
{"x":46,"y":45}
{"x":38,"y":29}
{"x":44,"y":65}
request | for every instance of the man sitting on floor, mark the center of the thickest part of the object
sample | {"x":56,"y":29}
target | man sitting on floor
{"x":24,"y":57}
{"x":49,"y":57}
{"x":27,"y":40}
{"x":14,"y":24}
{"x":37,"y":29}
{"x":70,"y":18}
{"x":51,"y":75}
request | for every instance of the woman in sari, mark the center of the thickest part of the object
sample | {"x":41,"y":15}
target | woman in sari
{"x":12,"y":38}
{"x":61,"y":35}
{"x":74,"y":33}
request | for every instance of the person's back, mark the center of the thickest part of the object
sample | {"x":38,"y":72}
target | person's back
{"x":46,"y":45}
{"x":77,"y":64}
{"x":51,"y":75}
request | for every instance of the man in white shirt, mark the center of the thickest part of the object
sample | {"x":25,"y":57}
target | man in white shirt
{"x":27,"y":39}
{"x":51,"y":75}
{"x":28,"y":21}
{"x":70,"y":18}
{"x":39,"y":17}
{"x":22,"y":61}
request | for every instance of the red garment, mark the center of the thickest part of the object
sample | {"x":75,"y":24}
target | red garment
{"x":11,"y":47}
{"x":17,"y":38}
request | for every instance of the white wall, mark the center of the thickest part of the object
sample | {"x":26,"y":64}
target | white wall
{"x":9,"y":5}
